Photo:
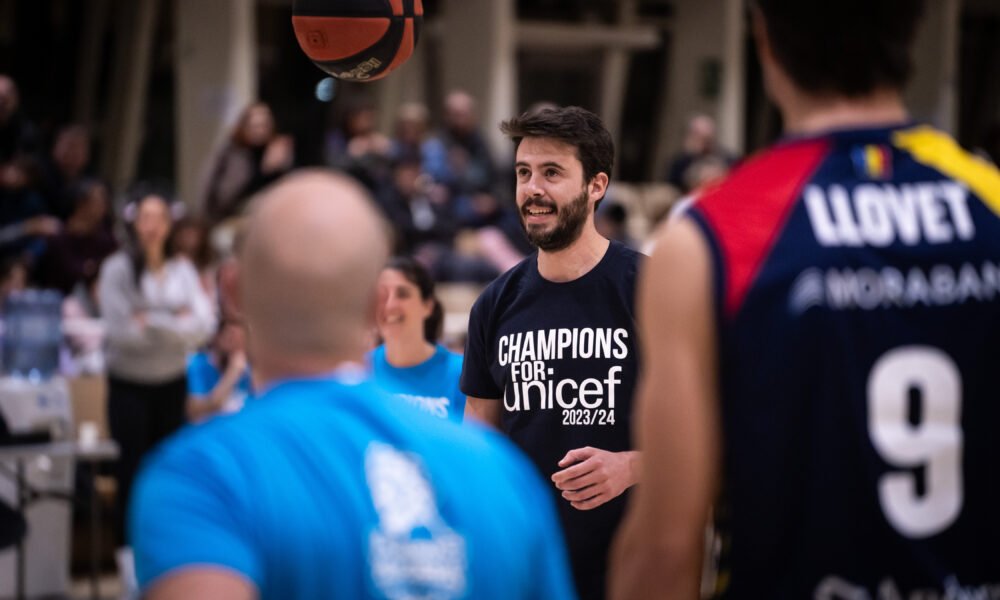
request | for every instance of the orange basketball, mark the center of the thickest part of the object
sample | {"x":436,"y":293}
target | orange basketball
{"x":357,"y":40}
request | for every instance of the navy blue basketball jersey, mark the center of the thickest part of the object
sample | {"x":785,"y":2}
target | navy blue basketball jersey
{"x":858,"y":307}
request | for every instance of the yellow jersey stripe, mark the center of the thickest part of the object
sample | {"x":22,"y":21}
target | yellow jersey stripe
{"x":937,"y":150}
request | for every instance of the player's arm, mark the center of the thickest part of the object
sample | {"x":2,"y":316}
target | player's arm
{"x":202,"y":584}
{"x":188,"y":528}
{"x":483,"y":410}
{"x":658,"y":550}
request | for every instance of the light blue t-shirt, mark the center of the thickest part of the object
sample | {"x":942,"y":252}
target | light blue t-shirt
{"x":323,"y":488}
{"x":203,"y":375}
{"x":431,"y":386}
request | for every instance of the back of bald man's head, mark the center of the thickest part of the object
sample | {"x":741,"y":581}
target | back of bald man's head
{"x":313,"y":250}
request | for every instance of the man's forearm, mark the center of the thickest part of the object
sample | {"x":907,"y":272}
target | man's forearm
{"x":483,"y":410}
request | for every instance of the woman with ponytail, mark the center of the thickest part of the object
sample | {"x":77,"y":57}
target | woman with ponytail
{"x":410,"y":364}
{"x":155,"y":313}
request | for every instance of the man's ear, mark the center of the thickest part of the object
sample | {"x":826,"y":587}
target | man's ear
{"x":598,"y":186}
{"x":376,"y":304}
{"x":230,"y":293}
{"x":429,"y":305}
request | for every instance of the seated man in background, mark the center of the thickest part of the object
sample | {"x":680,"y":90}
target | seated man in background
{"x":322,"y":487}
{"x":24,"y":224}
{"x":73,"y":257}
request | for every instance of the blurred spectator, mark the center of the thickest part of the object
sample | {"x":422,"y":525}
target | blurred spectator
{"x":702,"y":173}
{"x":496,"y":231}
{"x":358,"y":148}
{"x":699,"y":142}
{"x":13,"y":278}
{"x":485,"y":210}
{"x":65,"y":168}
{"x":412,"y":139}
{"x":74,"y":256}
{"x":23,"y":222}
{"x":18,"y":135}
{"x":219,"y":376}
{"x":705,"y":171}
{"x":190,"y":240}
{"x":990,"y":148}
{"x":471,"y":166}
{"x":542,"y":105}
{"x":255,"y":156}
{"x":155,"y":313}
{"x":611,"y":221}
{"x":225,"y":274}
{"x":422,"y":215}
{"x":418,"y":208}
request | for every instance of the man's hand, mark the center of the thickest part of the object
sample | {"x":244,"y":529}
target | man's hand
{"x":278,"y":156}
{"x":596,"y":476}
{"x":237,"y":363}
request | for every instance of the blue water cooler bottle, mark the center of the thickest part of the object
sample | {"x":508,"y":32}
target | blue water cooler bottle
{"x":32,"y":334}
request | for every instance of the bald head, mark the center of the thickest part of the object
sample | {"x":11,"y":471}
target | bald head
{"x":314,"y":247}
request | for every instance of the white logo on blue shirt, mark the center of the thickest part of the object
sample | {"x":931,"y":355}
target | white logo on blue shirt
{"x":413,"y":553}
{"x":437,"y":406}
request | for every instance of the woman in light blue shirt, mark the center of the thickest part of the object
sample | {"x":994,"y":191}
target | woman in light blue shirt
{"x":218,"y":376}
{"x":410,"y":364}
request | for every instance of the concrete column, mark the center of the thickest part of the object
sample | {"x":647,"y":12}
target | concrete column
{"x":216,"y":77}
{"x":405,"y":84}
{"x":614,"y":77}
{"x":89,"y":61}
{"x":732,"y":97}
{"x":479,"y":55}
{"x":933,"y":92}
{"x":136,"y":26}
{"x":704,"y":73}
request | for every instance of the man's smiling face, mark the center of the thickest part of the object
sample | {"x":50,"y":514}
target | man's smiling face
{"x":552,"y":198}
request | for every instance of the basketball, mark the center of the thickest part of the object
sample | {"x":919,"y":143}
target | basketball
{"x":357,"y":40}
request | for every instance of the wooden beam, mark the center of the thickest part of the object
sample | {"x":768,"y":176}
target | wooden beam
{"x":533,"y":34}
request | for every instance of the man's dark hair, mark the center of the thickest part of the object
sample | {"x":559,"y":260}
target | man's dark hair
{"x":848,"y":47}
{"x":572,"y":125}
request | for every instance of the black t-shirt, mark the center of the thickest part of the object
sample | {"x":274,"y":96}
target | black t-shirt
{"x":563,"y":359}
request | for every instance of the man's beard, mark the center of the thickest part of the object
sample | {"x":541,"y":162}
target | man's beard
{"x":569,"y":223}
